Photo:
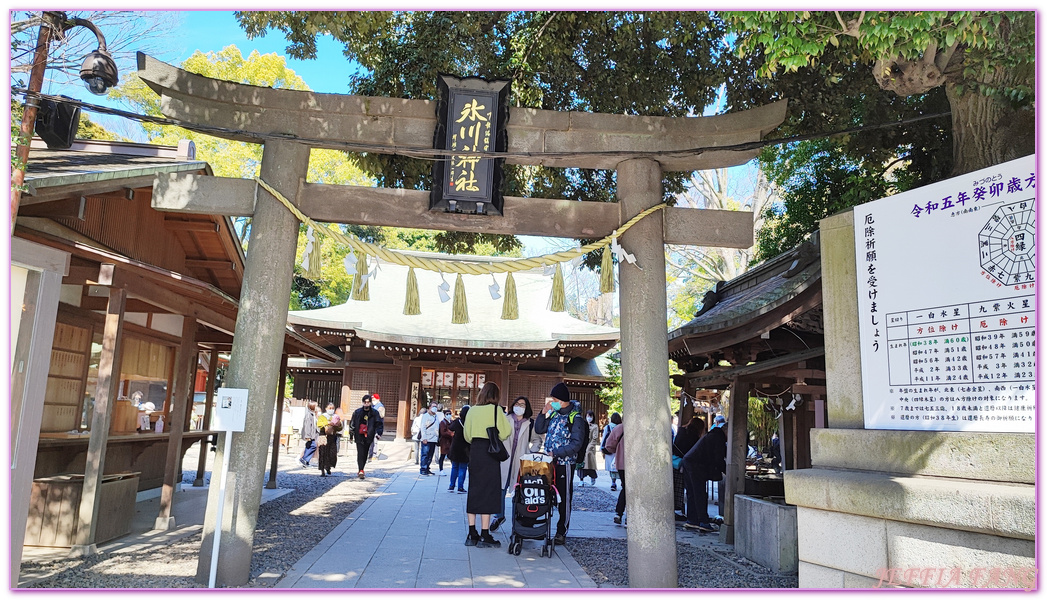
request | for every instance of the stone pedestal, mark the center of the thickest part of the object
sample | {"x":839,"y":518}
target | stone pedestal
{"x":765,"y":532}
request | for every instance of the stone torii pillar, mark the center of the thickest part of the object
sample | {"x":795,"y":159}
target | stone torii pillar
{"x":254,"y":363}
{"x":645,"y":385}
{"x":639,"y":148}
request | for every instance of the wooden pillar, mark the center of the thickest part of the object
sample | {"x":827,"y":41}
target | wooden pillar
{"x":185,"y":363}
{"x":281,"y":386}
{"x":403,"y":426}
{"x":33,"y":334}
{"x":504,"y":383}
{"x":737,"y":449}
{"x":212,"y":374}
{"x":687,"y":410}
{"x":347,"y":388}
{"x":105,"y":397}
{"x":255,"y":363}
{"x":645,"y":382}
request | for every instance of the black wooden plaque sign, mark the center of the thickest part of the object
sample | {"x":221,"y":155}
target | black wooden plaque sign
{"x":471,"y":116}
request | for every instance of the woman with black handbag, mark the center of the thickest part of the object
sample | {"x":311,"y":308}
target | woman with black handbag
{"x":486,"y":428}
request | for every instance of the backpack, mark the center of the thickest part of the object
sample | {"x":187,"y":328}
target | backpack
{"x":585,"y":436}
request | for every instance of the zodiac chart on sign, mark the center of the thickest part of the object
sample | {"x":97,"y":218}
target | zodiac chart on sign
{"x":1007,"y":244}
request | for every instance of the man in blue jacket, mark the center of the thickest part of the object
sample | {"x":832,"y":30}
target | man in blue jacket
{"x":564,"y":430}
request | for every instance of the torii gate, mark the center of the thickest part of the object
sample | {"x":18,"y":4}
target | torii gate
{"x":288,"y":123}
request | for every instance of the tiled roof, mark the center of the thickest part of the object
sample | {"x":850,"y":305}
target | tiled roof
{"x":51,"y":168}
{"x":757,"y":291}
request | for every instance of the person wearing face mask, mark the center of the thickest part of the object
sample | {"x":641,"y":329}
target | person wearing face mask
{"x":309,"y":434}
{"x":565,"y":433}
{"x":330,"y":425}
{"x":429,"y":428}
{"x":587,"y":466}
{"x":446,"y":435}
{"x":522,"y":440}
{"x":366,"y":426}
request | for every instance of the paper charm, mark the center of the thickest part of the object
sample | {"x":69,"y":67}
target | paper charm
{"x":444,"y":289}
{"x":350,"y":264}
{"x":310,"y":239}
{"x":621,"y":254}
{"x":494,"y":288}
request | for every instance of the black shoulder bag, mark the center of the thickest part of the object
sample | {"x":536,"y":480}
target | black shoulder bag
{"x":495,"y":447}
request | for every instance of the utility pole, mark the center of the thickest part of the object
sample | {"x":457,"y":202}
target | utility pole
{"x":49,"y":23}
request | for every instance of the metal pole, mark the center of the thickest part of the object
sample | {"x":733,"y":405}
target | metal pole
{"x":221,"y":507}
{"x":25,"y":134}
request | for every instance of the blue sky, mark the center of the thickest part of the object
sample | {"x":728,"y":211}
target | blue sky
{"x":209,"y":31}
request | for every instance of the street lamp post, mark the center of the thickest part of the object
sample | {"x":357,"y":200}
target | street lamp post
{"x":25,"y":135}
{"x":98,"y":72}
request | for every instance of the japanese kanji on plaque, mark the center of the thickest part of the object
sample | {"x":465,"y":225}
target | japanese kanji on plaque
{"x":947,"y":303}
{"x":471,"y":117}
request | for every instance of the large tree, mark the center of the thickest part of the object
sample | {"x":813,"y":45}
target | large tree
{"x":982,"y":60}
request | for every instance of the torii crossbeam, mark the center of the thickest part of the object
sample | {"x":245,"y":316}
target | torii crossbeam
{"x":288,"y":123}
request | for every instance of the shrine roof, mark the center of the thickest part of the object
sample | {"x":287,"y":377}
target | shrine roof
{"x":91,"y":161}
{"x":758,"y":293}
{"x":382,"y":320}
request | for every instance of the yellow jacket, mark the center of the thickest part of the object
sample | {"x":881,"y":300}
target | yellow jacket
{"x":482,"y":417}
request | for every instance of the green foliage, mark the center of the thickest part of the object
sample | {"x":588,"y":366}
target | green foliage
{"x":985,"y":41}
{"x":227,"y":158}
{"x":611,"y":394}
{"x":915,"y":56}
{"x":816,"y":179}
{"x":762,"y":422}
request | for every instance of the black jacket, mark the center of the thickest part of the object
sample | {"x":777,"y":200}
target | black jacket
{"x":685,"y":439}
{"x":459,"y":447}
{"x":708,"y":457}
{"x":375,"y":426}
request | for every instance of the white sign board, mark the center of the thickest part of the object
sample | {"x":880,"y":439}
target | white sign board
{"x":230,"y":410}
{"x":947,"y":303}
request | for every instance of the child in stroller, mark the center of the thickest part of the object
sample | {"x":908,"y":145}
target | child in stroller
{"x":533,"y":501}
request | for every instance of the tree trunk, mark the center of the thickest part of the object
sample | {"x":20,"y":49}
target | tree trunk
{"x":987,"y":131}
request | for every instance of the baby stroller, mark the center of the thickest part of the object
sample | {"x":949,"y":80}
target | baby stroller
{"x":533,"y":499}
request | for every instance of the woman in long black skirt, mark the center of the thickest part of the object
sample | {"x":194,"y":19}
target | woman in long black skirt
{"x":485,"y":472}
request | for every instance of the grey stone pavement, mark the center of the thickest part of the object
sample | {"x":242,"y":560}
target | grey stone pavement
{"x":409,"y":533}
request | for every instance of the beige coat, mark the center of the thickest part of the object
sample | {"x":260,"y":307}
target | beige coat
{"x":527,"y":441}
{"x":592,"y":448}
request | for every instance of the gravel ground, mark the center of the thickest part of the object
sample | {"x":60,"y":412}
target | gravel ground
{"x":697,"y":567}
{"x":592,"y":499}
{"x":312,"y":510}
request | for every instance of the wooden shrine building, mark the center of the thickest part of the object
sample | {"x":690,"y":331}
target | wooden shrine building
{"x":118,"y":301}
{"x":760,"y":335}
{"x":411,"y":360}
